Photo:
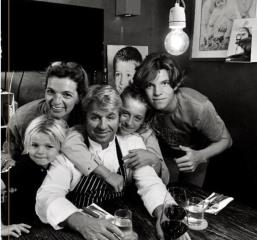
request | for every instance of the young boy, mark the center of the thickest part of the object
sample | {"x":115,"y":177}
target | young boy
{"x":42,"y":143}
{"x":124,"y":66}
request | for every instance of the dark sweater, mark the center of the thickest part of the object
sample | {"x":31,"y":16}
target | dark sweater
{"x":24,"y":179}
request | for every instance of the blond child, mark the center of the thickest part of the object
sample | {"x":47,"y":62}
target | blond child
{"x":42,"y":143}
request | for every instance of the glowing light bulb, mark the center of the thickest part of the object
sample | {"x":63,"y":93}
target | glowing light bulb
{"x":176,"y":41}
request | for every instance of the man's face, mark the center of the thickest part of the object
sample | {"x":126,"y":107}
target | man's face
{"x":102,"y":123}
{"x":124,"y":73}
{"x":159,"y":92}
{"x":61,"y":96}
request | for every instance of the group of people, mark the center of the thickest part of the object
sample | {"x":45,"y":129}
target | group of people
{"x":147,"y":128}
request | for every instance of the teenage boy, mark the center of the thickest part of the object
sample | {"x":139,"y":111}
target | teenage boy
{"x":188,"y":126}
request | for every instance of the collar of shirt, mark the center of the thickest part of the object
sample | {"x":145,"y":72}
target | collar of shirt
{"x":108,"y":156}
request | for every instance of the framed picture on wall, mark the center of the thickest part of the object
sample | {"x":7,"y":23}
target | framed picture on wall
{"x":243,"y":41}
{"x":213,"y":24}
{"x":112,"y":50}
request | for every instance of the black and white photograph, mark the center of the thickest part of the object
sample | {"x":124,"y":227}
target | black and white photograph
{"x":128,"y":120}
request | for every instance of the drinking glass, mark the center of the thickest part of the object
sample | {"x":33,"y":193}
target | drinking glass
{"x":195,"y":214}
{"x":172,"y":219}
{"x":123,"y":220}
{"x":179,"y":195}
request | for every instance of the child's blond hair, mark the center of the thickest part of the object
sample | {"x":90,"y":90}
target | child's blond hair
{"x":54,"y":128}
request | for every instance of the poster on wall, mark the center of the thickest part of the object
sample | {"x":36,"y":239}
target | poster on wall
{"x":243,"y":41}
{"x":122,"y":52}
{"x":213,"y":24}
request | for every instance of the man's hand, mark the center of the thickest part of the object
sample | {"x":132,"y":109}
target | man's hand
{"x":94,"y":228}
{"x":14,"y":230}
{"x":140,"y":157}
{"x":190,"y":161}
{"x":116,"y":181}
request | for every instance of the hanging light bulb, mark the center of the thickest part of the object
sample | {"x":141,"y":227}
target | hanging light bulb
{"x":177,"y":41}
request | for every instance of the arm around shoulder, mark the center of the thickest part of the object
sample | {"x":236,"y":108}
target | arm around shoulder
{"x":78,"y":153}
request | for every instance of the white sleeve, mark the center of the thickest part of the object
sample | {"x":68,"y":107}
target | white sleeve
{"x":51,"y":204}
{"x":151,"y":188}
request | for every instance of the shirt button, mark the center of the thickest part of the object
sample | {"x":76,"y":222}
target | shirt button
{"x":89,"y":169}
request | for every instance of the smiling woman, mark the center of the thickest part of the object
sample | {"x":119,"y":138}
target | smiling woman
{"x":61,"y":97}
{"x":66,"y":84}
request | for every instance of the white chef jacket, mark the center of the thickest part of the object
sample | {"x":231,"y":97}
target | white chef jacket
{"x":53,"y":207}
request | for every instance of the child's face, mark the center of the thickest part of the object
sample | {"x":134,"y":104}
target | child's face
{"x":42,"y":150}
{"x":124,"y":73}
{"x":132,"y":116}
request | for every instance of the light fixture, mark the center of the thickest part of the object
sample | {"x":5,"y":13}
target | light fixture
{"x":177,"y":41}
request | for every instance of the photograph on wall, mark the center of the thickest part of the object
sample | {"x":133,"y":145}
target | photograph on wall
{"x":213,"y":24}
{"x":243,"y":41}
{"x":122,"y":60}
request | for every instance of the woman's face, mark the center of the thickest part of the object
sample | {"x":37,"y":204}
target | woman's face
{"x":42,"y":150}
{"x":61,"y":97}
{"x":132,"y":116}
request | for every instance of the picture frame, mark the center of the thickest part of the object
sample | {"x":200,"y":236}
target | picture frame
{"x":112,"y":50}
{"x":213,"y":23}
{"x":243,"y":41}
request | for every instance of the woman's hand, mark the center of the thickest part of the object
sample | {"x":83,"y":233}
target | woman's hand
{"x":140,"y":157}
{"x":15,"y":230}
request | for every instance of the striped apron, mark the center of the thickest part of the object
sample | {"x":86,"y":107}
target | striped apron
{"x":92,"y":188}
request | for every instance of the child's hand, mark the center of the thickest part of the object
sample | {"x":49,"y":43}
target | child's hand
{"x":15,"y":230}
{"x":140,"y":157}
{"x":116,"y":181}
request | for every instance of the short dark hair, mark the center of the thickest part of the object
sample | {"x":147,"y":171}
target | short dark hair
{"x":72,"y":70}
{"x":152,"y":64}
{"x":126,"y":54}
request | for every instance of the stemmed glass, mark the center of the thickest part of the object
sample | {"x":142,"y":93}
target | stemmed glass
{"x":172,"y":217}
